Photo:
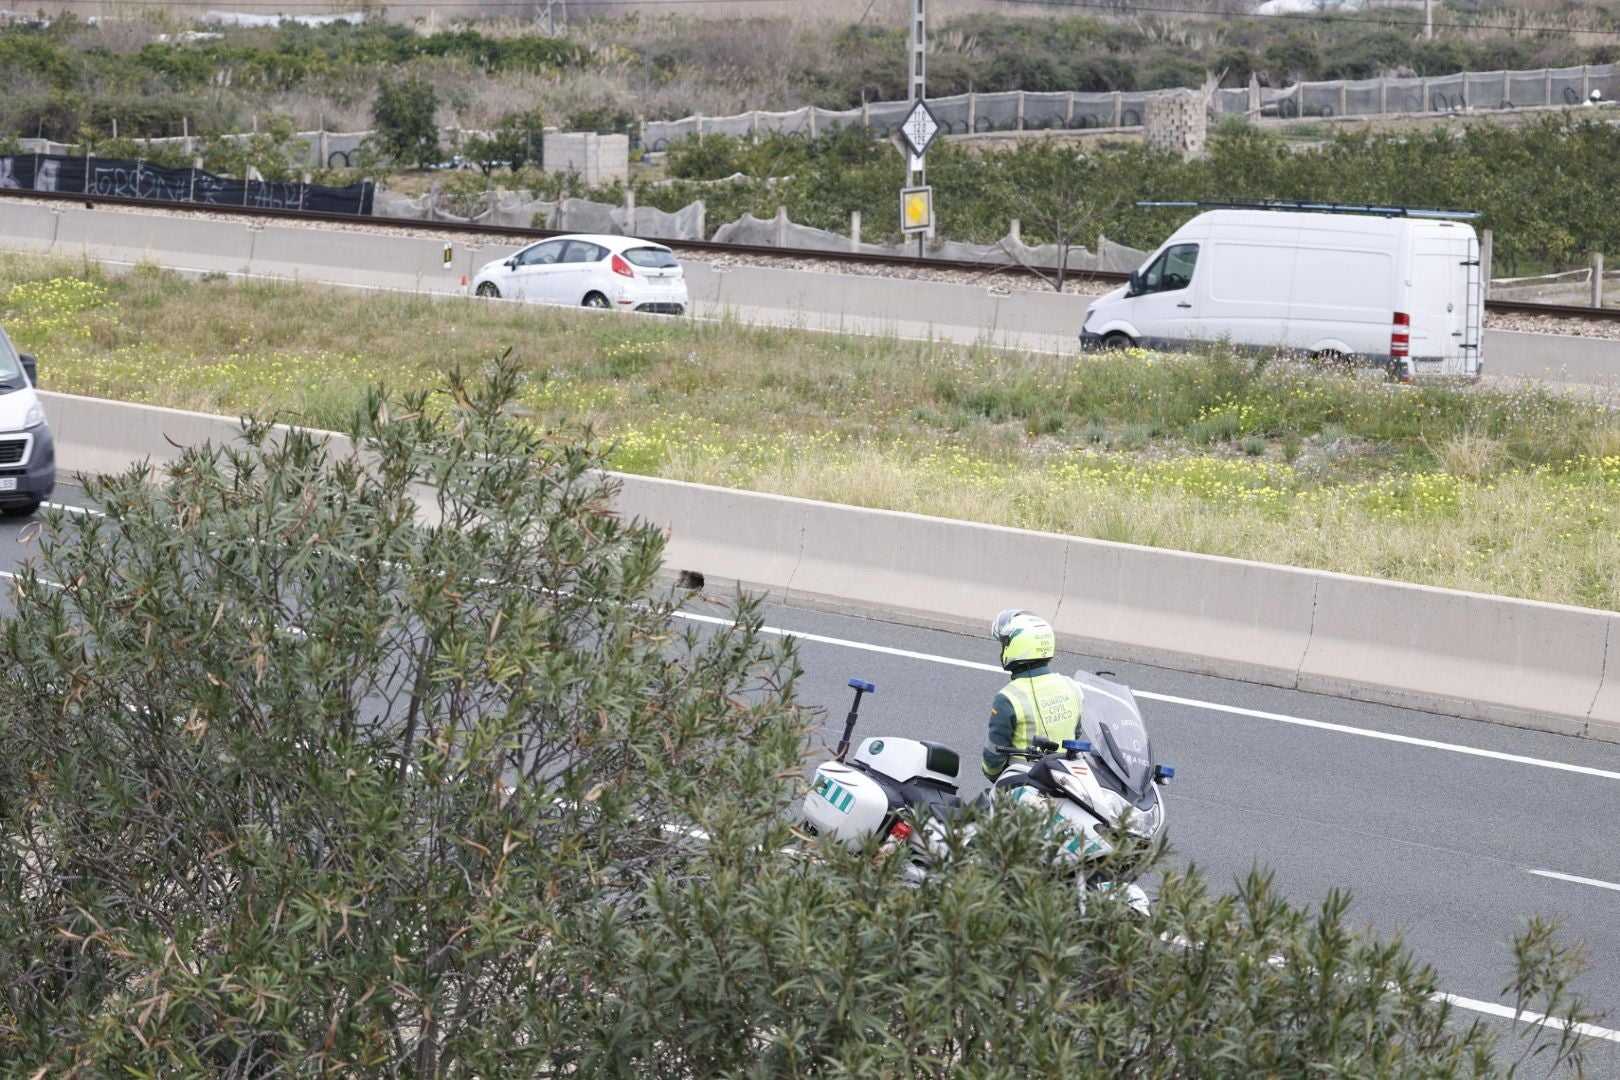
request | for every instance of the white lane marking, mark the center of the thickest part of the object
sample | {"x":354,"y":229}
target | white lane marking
{"x":65,"y":508}
{"x":1210,"y":706}
{"x":1556,"y":876}
{"x":1409,"y":740}
{"x":1507,"y":1012}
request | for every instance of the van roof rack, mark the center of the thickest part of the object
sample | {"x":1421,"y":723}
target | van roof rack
{"x":1320,"y":208}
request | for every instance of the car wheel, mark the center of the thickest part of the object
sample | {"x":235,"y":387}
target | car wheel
{"x":20,"y":509}
{"x":597,"y":300}
{"x":1116,"y":341}
{"x":487,"y":288}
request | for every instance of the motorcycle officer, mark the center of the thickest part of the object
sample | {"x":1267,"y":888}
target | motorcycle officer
{"x":1036,"y":699}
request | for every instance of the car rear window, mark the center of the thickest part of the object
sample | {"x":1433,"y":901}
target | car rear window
{"x":654,"y":258}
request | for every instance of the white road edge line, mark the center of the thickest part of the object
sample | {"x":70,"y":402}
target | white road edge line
{"x":1507,"y":1012}
{"x":1193,"y":703}
{"x":1556,"y":876}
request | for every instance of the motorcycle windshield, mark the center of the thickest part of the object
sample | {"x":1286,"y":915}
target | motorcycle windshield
{"x":1112,"y":723}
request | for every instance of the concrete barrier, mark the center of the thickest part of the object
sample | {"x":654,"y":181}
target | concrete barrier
{"x":727,"y":536}
{"x":1554,"y":357}
{"x":29,"y":226}
{"x":1605,"y":714}
{"x":1544,"y":666}
{"x":1467,"y":654}
{"x":923,"y":569}
{"x":1198,"y":612}
{"x":181,"y":242}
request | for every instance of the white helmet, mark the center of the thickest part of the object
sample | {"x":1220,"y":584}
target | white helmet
{"x":1024,"y":637}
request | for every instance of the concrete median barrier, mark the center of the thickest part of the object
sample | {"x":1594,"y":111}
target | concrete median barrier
{"x":729,"y":537}
{"x":220,"y":246}
{"x":1537,"y":665}
{"x":923,"y":569}
{"x":29,"y":226}
{"x":373,"y":259}
{"x":1553,"y":357}
{"x":1605,"y":714}
{"x":1488,"y":657}
{"x":1202,"y":613}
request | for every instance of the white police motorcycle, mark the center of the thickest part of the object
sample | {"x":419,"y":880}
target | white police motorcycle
{"x":1093,"y":789}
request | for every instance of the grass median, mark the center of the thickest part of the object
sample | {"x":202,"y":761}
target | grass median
{"x":1511,"y":493}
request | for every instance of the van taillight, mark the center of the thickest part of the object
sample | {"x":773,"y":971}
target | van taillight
{"x":1400,"y":336}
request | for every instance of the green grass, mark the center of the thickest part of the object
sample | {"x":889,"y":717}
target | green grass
{"x":1445,"y":485}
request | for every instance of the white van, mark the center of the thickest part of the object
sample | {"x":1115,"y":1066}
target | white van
{"x":27,"y":451}
{"x":1400,"y":292}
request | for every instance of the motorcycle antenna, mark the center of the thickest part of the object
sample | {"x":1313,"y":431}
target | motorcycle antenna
{"x":861,"y":687}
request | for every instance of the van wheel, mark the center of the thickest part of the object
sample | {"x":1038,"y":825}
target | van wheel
{"x":598,"y":301}
{"x":1331,"y":360}
{"x":1116,"y":341}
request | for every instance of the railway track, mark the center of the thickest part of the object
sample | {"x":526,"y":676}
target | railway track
{"x":702,"y":247}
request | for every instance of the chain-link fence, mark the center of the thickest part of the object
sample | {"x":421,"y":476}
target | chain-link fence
{"x":1019,"y":110}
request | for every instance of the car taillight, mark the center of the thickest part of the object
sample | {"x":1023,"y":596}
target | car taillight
{"x":1400,"y":335}
{"x":900,"y":831}
{"x":622,"y":268}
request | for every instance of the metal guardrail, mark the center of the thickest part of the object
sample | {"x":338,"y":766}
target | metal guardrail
{"x":707,"y":247}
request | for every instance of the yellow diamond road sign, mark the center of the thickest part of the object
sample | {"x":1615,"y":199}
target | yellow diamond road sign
{"x":916,"y":209}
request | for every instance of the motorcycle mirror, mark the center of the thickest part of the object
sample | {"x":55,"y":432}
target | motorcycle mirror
{"x":1079,"y":746}
{"x":1161,"y":773}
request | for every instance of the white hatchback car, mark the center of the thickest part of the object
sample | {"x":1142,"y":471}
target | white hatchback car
{"x":592,"y":271}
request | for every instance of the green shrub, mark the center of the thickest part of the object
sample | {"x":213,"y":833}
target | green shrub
{"x":404,"y":115}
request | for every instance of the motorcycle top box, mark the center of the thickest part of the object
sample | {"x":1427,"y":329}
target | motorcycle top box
{"x":883,"y":776}
{"x":845,"y":803}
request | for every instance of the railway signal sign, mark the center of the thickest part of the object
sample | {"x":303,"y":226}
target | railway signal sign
{"x":916,"y":210}
{"x":919,"y":128}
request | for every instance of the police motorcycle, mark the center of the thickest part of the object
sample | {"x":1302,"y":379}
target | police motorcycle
{"x":1095,"y":788}
{"x":901,"y":790}
{"x":904,"y":790}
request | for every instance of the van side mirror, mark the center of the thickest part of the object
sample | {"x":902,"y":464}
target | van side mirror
{"x":1134,"y":287}
{"x":29,"y":367}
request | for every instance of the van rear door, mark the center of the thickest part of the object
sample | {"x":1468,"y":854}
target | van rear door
{"x":1444,"y":300}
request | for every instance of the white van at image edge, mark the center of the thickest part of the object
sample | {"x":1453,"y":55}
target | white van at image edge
{"x":27,"y":450}
{"x":1400,"y":293}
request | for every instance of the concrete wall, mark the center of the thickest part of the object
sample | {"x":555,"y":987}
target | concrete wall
{"x":597,"y":159}
{"x":1543,"y":666}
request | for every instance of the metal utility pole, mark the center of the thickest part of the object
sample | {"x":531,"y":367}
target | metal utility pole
{"x":916,"y":173}
{"x":1428,"y":19}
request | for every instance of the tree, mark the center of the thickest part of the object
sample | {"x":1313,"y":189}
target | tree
{"x":404,"y":114}
{"x":513,"y":143}
{"x":395,"y":764}
{"x":1054,"y":191}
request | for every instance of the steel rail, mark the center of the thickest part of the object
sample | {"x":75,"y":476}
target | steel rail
{"x":709,"y":247}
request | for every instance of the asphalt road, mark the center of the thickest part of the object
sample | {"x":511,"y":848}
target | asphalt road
{"x":1448,"y":832}
{"x":1438,"y":826}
